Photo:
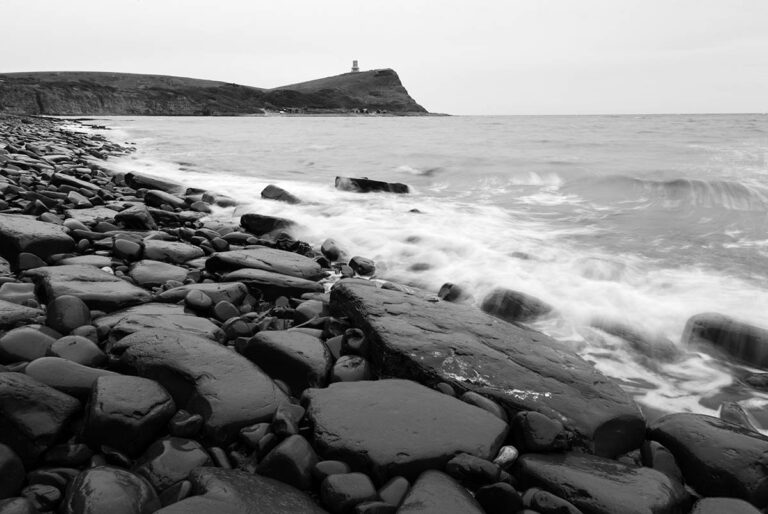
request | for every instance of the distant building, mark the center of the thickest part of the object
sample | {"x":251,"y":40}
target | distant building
{"x":355,"y":68}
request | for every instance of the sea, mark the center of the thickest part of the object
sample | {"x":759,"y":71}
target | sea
{"x":631,"y":221}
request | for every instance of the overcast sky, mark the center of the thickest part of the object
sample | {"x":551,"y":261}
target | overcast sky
{"x":454,"y":56}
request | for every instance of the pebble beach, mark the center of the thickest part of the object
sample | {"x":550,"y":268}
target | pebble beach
{"x":157,"y":358}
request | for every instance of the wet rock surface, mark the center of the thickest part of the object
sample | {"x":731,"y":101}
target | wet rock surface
{"x":106,"y":489}
{"x":267,"y":259}
{"x":520,"y":369}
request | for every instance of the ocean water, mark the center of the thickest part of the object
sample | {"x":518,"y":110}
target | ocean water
{"x":630,"y":221}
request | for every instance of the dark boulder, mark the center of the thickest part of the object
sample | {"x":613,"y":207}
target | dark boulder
{"x":260,"y":224}
{"x":300,"y":360}
{"x":267,"y":259}
{"x":601,"y":486}
{"x":156,"y":198}
{"x":272,"y":192}
{"x":717,"y":458}
{"x":12,"y":314}
{"x":66,"y":376}
{"x":136,"y":217}
{"x":32,"y":415}
{"x":522,"y":370}
{"x":24,"y":344}
{"x":435,"y":492}
{"x":273,"y":285}
{"x":171,"y":251}
{"x":127,"y":413}
{"x":66,"y":313}
{"x":364,"y":185}
{"x":723,"y":506}
{"x":170,"y":460}
{"x":156,"y":316}
{"x":25,"y":234}
{"x":424,"y":428}
{"x":341,"y":493}
{"x":291,"y":462}
{"x":514,"y":306}
{"x":203,"y":378}
{"x":362,"y":265}
{"x":138,"y":181}
{"x":745,"y":342}
{"x":106,"y":489}
{"x":535,"y":432}
{"x":233,"y":292}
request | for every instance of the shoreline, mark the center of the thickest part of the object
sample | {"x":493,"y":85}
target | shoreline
{"x":116,"y":286}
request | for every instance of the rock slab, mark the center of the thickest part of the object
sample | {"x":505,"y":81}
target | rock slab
{"x":523,"y":370}
{"x":25,"y":234}
{"x":397,"y":427}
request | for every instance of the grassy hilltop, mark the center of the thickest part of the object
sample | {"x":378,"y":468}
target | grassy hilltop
{"x":77,"y":93}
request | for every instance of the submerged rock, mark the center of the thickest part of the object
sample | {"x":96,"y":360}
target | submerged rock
{"x":259,"y":224}
{"x":514,"y":306}
{"x":203,"y":377}
{"x":364,"y":185}
{"x":746,"y":342}
{"x":522,"y":370}
{"x":422,"y":428}
{"x":273,"y":192}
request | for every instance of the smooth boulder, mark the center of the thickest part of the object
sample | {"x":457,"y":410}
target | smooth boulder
{"x":105,"y":489}
{"x":25,"y":234}
{"x":717,"y":458}
{"x":745,"y":342}
{"x":267,"y":259}
{"x":434,"y":492}
{"x":394,"y":427}
{"x":514,"y":306}
{"x":522,"y":370}
{"x":203,"y":377}
{"x":273,"y":285}
{"x":12,"y":314}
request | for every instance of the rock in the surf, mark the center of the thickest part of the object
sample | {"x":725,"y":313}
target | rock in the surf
{"x":364,"y":185}
{"x":20,"y":233}
{"x":422,"y":428}
{"x":748,"y":343}
{"x":203,"y":377}
{"x":522,"y":370}
{"x":273,"y":192}
{"x":259,"y":224}
{"x":717,"y":458}
{"x":514,"y":306}
{"x":602,"y":486}
{"x":34,"y":415}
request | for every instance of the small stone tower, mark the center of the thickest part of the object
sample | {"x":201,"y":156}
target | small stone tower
{"x":355,"y":67}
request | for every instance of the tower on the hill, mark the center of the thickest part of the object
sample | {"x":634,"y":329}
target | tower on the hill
{"x":355,"y":67}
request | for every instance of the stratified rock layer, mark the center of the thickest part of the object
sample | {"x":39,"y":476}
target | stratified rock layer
{"x":430,"y":342}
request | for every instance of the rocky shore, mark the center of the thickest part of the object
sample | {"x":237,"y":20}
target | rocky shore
{"x":156,"y":358}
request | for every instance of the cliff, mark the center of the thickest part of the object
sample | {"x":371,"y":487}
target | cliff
{"x":99,"y":93}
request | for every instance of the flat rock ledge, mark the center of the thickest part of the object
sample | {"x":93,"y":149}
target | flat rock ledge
{"x":523,"y":370}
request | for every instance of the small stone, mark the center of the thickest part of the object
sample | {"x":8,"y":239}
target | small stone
{"x":330,"y":249}
{"x":514,"y":306}
{"x":484,"y":403}
{"x":291,"y":462}
{"x":435,"y":491}
{"x":286,"y":420}
{"x":65,"y":375}
{"x":473,"y":470}
{"x":334,"y":346}
{"x":24,"y":344}
{"x":29,"y":261}
{"x":169,"y":460}
{"x":535,"y":432}
{"x":326,"y":468}
{"x":723,"y":506}
{"x":351,"y":368}
{"x":375,"y":507}
{"x":78,"y":349}
{"x":68,"y":455}
{"x":224,"y":310}
{"x":185,"y":424}
{"x":506,"y":457}
{"x":44,"y":498}
{"x":362,"y":265}
{"x":547,"y":503}
{"x":452,"y":293}
{"x":251,"y":435}
{"x":128,"y":250}
{"x":354,"y":343}
{"x":17,"y":292}
{"x":176,"y":493}
{"x":66,"y":313}
{"x":341,"y":493}
{"x":198,"y":301}
{"x":656,"y":456}
{"x":109,"y":490}
{"x":219,"y":457}
{"x":499,"y":498}
{"x":446,"y":388}
{"x":394,"y":490}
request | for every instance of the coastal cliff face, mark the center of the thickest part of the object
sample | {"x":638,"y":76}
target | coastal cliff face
{"x":86,"y":93}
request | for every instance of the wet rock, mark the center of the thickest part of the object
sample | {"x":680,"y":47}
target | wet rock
{"x":547,"y":503}
{"x":484,"y":403}
{"x":25,"y":234}
{"x":757,"y":380}
{"x":506,"y":457}
{"x":65,"y":313}
{"x":330,"y":249}
{"x":272,"y":192}
{"x":156,"y":316}
{"x":203,"y":378}
{"x":722,"y":506}
{"x":224,"y":310}
{"x":273,"y":285}
{"x":267,"y":259}
{"x":105,"y":489}
{"x":138,"y":181}
{"x":98,"y":289}
{"x":341,"y":493}
{"x":473,"y":470}
{"x":291,"y":462}
{"x":299,"y":359}
{"x":375,"y":507}
{"x":435,"y":491}
{"x":394,"y":490}
{"x":24,"y":344}
{"x":734,"y":413}
{"x":227,"y":491}
{"x":11,"y":471}
{"x":185,"y":424}
{"x":655,"y":456}
{"x":655,"y":346}
{"x":198,"y":301}
{"x":259,"y":224}
{"x":128,"y":250}
{"x":99,"y":261}
{"x":717,"y":458}
{"x":326,"y":468}
{"x":362,"y":265}
{"x":423,"y":428}
{"x":520,"y":369}
{"x":170,"y":251}
{"x":535,"y":432}
{"x":29,"y":261}
{"x":499,"y":498}
{"x":157,"y":198}
{"x":743,"y":341}
{"x":12,"y":314}
{"x":351,"y":368}
{"x":170,"y":460}
{"x":452,"y":293}
{"x":92,"y":216}
{"x":127,"y":413}
{"x":17,"y":292}
{"x":233,"y":292}
{"x":44,"y":498}
{"x":32,"y":414}
{"x":17,"y":506}
{"x":364,"y":185}
{"x":136,"y":217}
{"x":148,"y":273}
{"x":514,"y":306}
{"x":64,"y":375}
{"x":602,"y":486}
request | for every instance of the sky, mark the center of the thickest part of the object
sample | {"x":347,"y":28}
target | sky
{"x":453,"y":56}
